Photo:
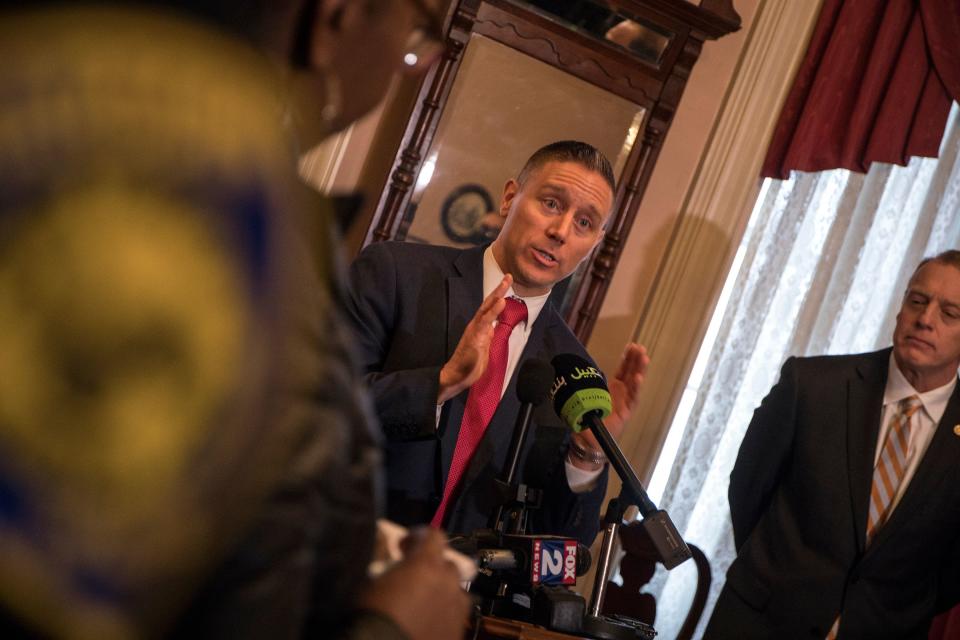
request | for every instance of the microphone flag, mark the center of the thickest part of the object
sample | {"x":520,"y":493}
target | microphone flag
{"x":578,"y":389}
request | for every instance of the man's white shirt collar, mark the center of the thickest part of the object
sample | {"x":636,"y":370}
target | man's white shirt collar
{"x":493,"y":274}
{"x":898,"y":388}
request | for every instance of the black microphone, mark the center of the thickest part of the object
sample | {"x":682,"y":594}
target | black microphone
{"x":581,"y":399}
{"x":533,"y":386}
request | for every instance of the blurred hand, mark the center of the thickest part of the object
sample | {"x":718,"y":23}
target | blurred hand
{"x":469,"y":359}
{"x":422,"y":593}
{"x":624,"y":390}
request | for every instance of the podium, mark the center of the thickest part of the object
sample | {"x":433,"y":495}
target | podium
{"x":488,"y":627}
{"x":494,"y":628}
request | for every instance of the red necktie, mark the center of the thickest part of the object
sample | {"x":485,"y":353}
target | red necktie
{"x":482,"y":402}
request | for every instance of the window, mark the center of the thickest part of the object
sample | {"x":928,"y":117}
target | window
{"x":820,"y":270}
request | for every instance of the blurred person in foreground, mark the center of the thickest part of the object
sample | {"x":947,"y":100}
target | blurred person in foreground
{"x":184,"y":447}
{"x":845,"y":496}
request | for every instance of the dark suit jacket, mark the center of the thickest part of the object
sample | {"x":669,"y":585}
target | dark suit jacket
{"x":410,"y":305}
{"x":799,"y":496}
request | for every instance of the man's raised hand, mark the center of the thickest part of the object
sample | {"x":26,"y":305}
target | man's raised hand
{"x":624,"y":390}
{"x":469,"y":359}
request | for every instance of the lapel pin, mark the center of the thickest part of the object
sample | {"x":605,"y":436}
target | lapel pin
{"x":956,"y":429}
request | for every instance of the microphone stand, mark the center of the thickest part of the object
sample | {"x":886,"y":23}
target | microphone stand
{"x":612,"y":521}
{"x":511,"y":516}
{"x":670,"y":547}
{"x":533,"y":385}
{"x":559,"y":608}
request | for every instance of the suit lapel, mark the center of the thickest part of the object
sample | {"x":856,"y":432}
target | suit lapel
{"x":864,"y":407}
{"x":937,"y":467}
{"x":464,"y":295}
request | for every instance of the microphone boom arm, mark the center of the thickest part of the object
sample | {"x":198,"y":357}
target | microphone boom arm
{"x":671,"y":548}
{"x":631,"y":483}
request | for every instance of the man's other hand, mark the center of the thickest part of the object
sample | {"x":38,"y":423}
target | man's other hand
{"x":624,"y":390}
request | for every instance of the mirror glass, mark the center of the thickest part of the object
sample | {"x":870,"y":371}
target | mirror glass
{"x":606,"y":21}
{"x":502,"y":107}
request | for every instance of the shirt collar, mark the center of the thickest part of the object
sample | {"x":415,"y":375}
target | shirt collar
{"x":898,"y":388}
{"x":493,"y":274}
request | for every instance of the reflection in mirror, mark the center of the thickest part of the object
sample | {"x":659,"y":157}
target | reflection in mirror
{"x":502,"y":107}
{"x":604,"y":20}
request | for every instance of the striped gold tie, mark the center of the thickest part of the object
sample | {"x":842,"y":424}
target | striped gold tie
{"x":888,"y":474}
{"x":891,"y":465}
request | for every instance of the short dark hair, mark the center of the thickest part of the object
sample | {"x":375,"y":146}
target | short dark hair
{"x":950,"y":257}
{"x":570,"y":151}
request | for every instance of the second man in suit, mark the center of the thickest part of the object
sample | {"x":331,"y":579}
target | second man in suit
{"x":845,"y":497}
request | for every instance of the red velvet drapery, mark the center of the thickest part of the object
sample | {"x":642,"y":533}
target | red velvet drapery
{"x":875,"y":86}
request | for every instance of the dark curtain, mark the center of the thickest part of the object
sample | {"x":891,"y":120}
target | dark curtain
{"x":946,"y":626}
{"x":875,"y":86}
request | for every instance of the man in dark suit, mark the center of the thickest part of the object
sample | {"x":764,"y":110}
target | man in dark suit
{"x":845,"y":497}
{"x":425,"y":322}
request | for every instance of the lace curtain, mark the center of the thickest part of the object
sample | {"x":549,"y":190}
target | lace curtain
{"x":824,"y":261}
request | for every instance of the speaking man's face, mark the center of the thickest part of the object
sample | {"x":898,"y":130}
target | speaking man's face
{"x":926,"y":341}
{"x":552,"y":222}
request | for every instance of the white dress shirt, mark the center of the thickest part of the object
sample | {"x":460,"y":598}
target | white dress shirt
{"x":923,"y":422}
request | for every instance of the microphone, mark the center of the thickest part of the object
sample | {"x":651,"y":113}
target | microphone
{"x":581,"y":399}
{"x":533,"y":386}
{"x":543,"y":561}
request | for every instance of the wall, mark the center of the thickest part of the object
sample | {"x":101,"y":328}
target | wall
{"x":696,"y":208}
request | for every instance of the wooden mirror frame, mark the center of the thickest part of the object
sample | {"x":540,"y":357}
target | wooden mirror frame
{"x":654,"y":87}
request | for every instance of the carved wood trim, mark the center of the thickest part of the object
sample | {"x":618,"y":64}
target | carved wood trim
{"x":604,"y":65}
